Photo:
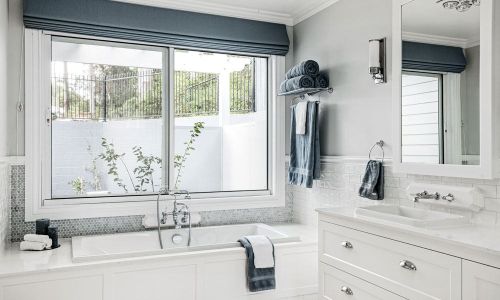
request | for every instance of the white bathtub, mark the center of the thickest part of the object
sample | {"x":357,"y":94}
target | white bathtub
{"x":121,"y":245}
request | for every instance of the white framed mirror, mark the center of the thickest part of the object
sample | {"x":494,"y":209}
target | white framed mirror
{"x":442,"y":87}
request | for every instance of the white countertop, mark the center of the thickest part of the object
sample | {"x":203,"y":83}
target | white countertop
{"x":473,"y":242}
{"x":14,"y":262}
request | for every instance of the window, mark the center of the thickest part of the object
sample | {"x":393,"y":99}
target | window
{"x":118,"y":121}
{"x":106,"y":110}
{"x":220,"y":122}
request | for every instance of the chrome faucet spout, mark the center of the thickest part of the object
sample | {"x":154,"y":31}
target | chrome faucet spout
{"x":426,"y":195}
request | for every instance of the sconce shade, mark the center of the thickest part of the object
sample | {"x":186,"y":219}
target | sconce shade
{"x":374,"y":48}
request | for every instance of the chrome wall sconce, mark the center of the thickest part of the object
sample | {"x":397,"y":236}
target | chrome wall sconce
{"x":377,"y":61}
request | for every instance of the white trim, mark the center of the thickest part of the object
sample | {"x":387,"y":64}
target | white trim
{"x":440,"y":40}
{"x":13,"y":160}
{"x":219,"y":9}
{"x":38,"y":63}
{"x":310,"y":10}
{"x":330,"y":159}
{"x":434,"y":39}
{"x":485,"y":169}
{"x":236,"y":11}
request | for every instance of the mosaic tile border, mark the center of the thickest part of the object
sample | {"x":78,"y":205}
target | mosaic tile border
{"x":74,"y":227}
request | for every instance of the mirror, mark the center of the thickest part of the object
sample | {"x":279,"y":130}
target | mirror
{"x":440,"y":121}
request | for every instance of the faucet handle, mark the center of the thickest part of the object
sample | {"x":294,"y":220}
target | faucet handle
{"x":448,"y":197}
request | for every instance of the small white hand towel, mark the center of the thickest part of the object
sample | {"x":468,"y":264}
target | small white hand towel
{"x":32,"y":246}
{"x":301,"y":117}
{"x":263,"y":251}
{"x":40,"y":238}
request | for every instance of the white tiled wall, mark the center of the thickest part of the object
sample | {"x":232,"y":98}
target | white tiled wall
{"x":4,"y":205}
{"x":340,"y":181}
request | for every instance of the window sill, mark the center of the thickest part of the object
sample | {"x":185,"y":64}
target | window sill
{"x":133,"y":208}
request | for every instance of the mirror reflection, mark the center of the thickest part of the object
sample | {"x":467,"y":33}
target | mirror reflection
{"x":440,"y":82}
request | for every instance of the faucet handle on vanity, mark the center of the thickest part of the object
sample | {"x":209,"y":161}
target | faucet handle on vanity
{"x":448,"y":197}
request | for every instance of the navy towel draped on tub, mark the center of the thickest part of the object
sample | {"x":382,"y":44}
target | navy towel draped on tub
{"x":304,"y":149}
{"x":258,"y":279}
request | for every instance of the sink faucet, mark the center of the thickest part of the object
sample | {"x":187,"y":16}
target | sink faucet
{"x":426,"y":195}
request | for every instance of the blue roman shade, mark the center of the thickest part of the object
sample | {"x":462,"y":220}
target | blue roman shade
{"x":429,"y":57}
{"x":111,"y":19}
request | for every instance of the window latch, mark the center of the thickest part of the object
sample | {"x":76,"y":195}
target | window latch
{"x":48,"y":116}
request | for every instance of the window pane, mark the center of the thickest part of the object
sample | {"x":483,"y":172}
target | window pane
{"x":220,"y":122}
{"x":107,"y":120}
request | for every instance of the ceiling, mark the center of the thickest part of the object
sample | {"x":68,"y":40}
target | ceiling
{"x":288,"y":12}
{"x":426,"y":18}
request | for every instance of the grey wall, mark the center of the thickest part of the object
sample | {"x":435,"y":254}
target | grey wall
{"x":15,"y":80}
{"x":358,"y":113}
{"x":470,"y":102}
{"x":4,"y":202}
{"x":4,"y":17}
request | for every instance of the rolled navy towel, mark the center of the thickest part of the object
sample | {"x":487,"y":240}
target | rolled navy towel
{"x":296,"y":83}
{"x":308,"y":67}
{"x":321,"y":81}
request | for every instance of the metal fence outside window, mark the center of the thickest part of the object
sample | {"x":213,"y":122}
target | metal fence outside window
{"x":139,"y":95}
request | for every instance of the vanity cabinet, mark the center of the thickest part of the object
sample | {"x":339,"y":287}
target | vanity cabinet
{"x":336,"y":284}
{"x":480,"y":282}
{"x":354,"y":262}
{"x":406,"y":270}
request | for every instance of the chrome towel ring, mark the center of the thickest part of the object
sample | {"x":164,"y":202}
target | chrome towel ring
{"x":380,"y":144}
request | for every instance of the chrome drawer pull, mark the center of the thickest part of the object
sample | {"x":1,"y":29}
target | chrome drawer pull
{"x":346,"y":290}
{"x":408,"y":265}
{"x":347,"y":245}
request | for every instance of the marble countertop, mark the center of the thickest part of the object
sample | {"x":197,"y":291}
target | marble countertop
{"x":473,"y":242}
{"x":14,"y":262}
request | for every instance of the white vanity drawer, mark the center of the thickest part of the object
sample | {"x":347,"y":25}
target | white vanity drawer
{"x":336,"y":284}
{"x":378,"y":260}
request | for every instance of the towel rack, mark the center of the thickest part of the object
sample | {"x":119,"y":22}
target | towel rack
{"x":309,"y":91}
{"x":380,"y":144}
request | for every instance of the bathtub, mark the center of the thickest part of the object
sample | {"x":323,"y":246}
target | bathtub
{"x":123,"y":245}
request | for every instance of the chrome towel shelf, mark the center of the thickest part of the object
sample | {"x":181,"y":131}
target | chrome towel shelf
{"x":308,"y":91}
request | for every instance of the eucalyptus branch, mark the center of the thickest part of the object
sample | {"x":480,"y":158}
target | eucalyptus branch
{"x":180,"y":160}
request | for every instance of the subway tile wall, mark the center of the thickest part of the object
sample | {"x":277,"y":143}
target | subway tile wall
{"x":69,"y":228}
{"x":340,"y":181}
{"x":4,"y":206}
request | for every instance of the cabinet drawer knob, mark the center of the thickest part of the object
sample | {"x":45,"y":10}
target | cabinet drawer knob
{"x":346,"y":290}
{"x":408,"y":265}
{"x":347,"y":244}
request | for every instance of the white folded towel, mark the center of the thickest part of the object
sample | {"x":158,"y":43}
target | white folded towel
{"x":263,"y":251}
{"x":301,"y":117}
{"x":40,"y":238}
{"x":32,"y":246}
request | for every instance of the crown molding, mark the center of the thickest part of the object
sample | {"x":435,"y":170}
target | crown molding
{"x":306,"y":11}
{"x":439,"y":40}
{"x":300,"y":14}
{"x":218,"y":9}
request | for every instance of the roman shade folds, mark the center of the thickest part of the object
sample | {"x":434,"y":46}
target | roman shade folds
{"x":118,"y":20}
{"x":429,"y":57}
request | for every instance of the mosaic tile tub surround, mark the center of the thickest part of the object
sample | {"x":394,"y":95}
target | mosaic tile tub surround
{"x":340,"y":181}
{"x":4,"y":206}
{"x":338,"y":187}
{"x":74,"y":227}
